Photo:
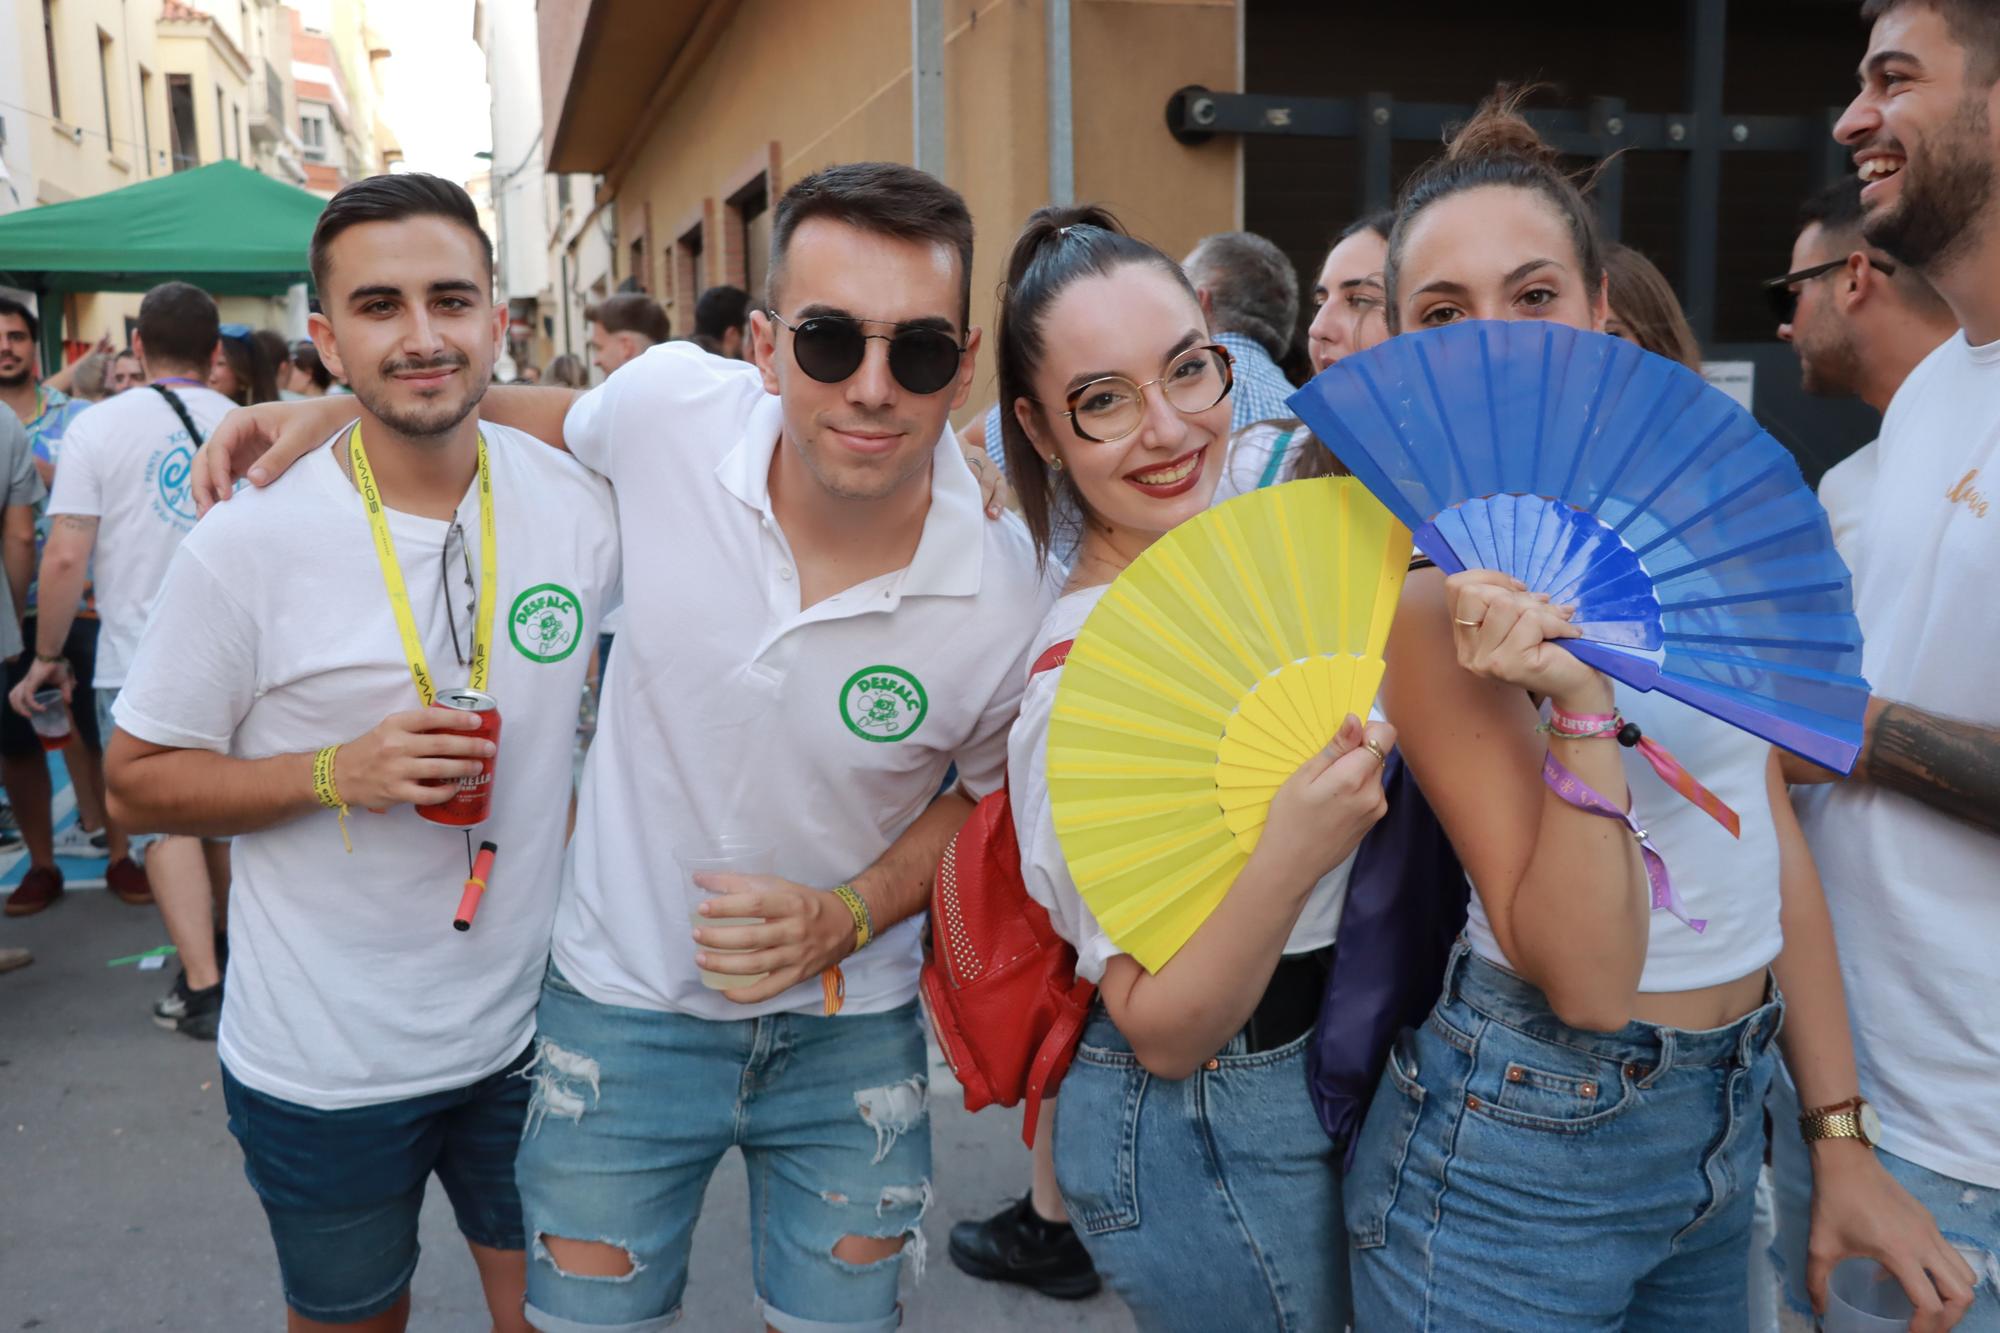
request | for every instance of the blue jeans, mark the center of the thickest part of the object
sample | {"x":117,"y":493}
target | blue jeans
{"x":1209,"y":1203}
{"x":342,"y":1189}
{"x":1968,"y":1215}
{"x":632,"y":1110}
{"x":1519,"y":1173}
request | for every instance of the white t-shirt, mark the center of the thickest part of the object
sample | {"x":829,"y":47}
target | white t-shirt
{"x":1915,"y":894}
{"x":1845,"y":492}
{"x":1044,"y":872}
{"x":1261,"y":455}
{"x":1732,"y":882}
{"x":274,"y":635}
{"x":823,"y":730}
{"x":125,"y":462}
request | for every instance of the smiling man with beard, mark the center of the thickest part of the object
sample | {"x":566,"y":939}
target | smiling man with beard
{"x":1909,"y":844}
{"x":284,"y":690}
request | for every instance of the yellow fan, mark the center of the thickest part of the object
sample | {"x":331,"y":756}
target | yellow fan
{"x":1214,"y":666}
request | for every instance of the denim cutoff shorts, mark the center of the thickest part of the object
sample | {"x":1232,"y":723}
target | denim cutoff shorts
{"x":342,"y":1189}
{"x":632,"y":1110}
{"x":1516,"y":1172}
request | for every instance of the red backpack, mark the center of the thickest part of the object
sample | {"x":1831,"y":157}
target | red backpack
{"x":999,"y":983}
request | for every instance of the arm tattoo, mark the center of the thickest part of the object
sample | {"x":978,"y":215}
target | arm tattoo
{"x":1949,"y":765}
{"x":86,"y":523}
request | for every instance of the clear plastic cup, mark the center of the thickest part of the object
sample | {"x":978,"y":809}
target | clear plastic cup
{"x":51,"y":721}
{"x":731,"y":854}
{"x":1864,"y":1297}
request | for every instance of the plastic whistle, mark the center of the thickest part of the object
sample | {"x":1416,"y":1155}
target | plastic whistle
{"x":475,"y":885}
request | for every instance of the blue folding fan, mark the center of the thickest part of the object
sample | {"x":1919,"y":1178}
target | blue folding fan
{"x":1620,"y":482}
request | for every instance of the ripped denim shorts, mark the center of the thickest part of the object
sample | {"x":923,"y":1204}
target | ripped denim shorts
{"x":633,"y":1108}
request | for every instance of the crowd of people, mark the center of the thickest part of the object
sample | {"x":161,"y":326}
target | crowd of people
{"x":836,"y":639}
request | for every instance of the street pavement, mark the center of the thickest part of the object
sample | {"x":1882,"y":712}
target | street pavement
{"x":123,"y":1205}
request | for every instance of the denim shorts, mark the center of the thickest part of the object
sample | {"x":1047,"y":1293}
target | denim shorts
{"x":342,"y":1189}
{"x":632,"y":1110}
{"x":1515,"y":1172}
{"x":1967,"y":1215}
{"x":1212,"y":1202}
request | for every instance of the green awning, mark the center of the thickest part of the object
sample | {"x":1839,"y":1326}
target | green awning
{"x":223,"y":227}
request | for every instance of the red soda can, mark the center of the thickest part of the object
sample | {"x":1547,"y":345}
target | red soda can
{"x":473,"y":800}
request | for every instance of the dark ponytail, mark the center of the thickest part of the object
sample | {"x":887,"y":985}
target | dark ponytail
{"x":1498,"y":147}
{"x":1056,"y":247}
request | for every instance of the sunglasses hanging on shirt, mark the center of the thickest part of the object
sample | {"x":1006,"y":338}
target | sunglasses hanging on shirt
{"x":830,"y":348}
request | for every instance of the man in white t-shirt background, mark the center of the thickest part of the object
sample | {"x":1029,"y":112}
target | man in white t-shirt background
{"x":1909,"y":844}
{"x":280,"y":695}
{"x":822,"y":622}
{"x":1860,"y":323}
{"x":121,"y":498}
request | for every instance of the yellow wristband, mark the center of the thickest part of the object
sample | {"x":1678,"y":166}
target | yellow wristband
{"x":328,"y":794}
{"x":857,"y":907}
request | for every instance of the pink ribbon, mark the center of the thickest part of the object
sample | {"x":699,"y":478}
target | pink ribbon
{"x":1574,"y":791}
{"x":1588,"y":726}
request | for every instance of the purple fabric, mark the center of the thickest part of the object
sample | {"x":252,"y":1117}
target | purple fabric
{"x":1405,"y":908}
{"x":1588,"y":799}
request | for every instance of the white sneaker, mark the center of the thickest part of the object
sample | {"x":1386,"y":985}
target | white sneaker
{"x":78,"y":841}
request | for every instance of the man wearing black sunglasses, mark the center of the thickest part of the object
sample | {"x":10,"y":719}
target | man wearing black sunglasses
{"x":821,"y":622}
{"x":1859,"y":321}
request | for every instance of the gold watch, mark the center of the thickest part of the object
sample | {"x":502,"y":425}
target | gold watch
{"x":1851,"y":1119}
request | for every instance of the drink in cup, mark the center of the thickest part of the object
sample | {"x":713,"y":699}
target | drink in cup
{"x":51,"y":718}
{"x":473,"y":800}
{"x":725,"y":854}
{"x":1862,"y":1297}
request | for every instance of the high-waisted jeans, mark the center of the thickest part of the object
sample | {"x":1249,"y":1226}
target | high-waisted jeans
{"x":1208,"y":1203}
{"x":1518,"y":1173}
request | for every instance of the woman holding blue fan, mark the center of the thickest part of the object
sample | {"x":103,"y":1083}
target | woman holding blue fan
{"x":1186,"y":1144}
{"x":1572,"y":1140}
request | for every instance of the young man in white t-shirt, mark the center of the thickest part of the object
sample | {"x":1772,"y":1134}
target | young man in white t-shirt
{"x":1909,"y":844}
{"x":280,"y":695}
{"x":120,"y":509}
{"x":821,"y":622}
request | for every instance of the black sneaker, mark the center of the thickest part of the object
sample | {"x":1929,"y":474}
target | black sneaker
{"x":201,"y":1011}
{"x":168,"y":1009}
{"x":1018,"y":1245}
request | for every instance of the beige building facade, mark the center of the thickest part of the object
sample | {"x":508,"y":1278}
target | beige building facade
{"x":121,"y":91}
{"x":697,"y":114}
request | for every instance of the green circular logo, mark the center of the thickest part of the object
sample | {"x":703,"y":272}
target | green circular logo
{"x":883,"y":703}
{"x":545,"y":622}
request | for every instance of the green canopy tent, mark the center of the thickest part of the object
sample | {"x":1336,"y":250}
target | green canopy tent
{"x":223,"y":227}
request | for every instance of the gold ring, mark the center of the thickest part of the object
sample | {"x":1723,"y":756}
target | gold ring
{"x":1376,"y":750}
{"x":1469,"y":624}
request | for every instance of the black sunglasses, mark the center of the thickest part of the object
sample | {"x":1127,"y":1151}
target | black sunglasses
{"x":830,"y":348}
{"x":1783,"y":293}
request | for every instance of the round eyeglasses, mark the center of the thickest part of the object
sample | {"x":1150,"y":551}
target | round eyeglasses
{"x":1106,"y":410}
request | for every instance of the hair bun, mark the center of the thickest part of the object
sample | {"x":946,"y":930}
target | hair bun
{"x":1498,"y":129}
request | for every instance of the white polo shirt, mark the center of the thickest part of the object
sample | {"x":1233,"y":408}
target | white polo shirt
{"x":825,"y":731}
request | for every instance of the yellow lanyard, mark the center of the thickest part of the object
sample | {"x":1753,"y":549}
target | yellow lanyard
{"x":392,"y":572}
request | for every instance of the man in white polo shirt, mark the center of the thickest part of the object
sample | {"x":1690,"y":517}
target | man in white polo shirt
{"x":310,"y":660}
{"x":821,"y":623}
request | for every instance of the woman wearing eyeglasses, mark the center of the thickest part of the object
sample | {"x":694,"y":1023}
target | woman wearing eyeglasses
{"x":1186,"y":1146}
